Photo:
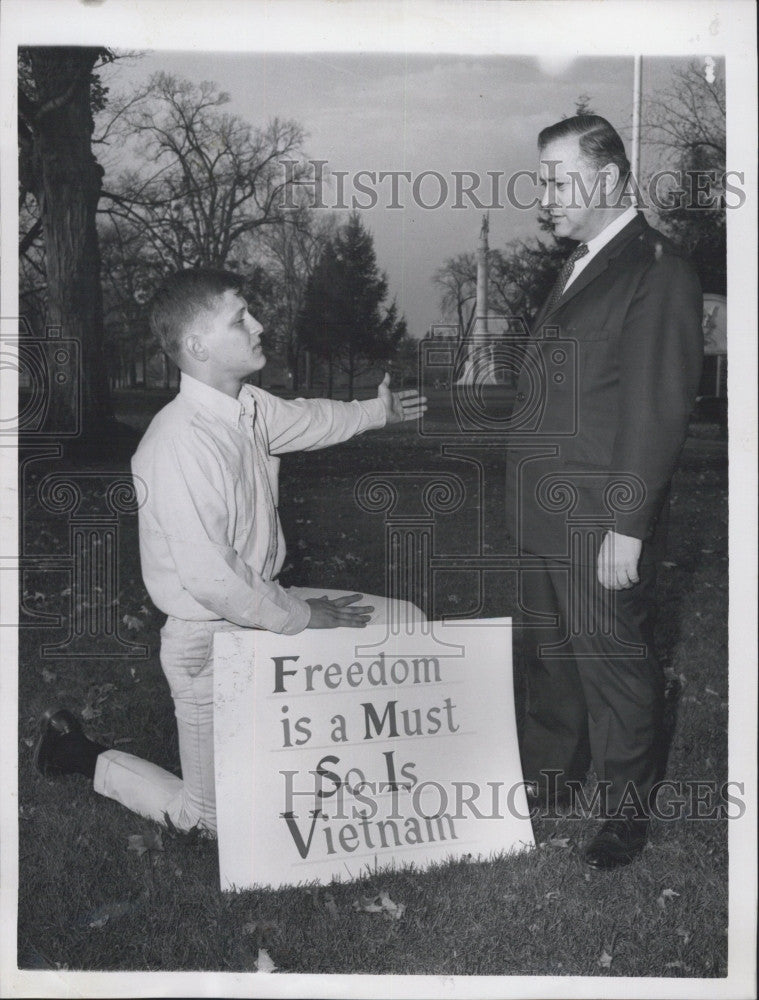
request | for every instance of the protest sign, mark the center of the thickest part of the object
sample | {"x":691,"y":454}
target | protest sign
{"x":339,"y":751}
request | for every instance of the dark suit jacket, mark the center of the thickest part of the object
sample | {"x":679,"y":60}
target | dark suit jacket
{"x":604,"y":397}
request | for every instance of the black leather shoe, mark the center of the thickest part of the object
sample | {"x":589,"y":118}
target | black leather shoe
{"x":617,"y":843}
{"x":62,"y":747}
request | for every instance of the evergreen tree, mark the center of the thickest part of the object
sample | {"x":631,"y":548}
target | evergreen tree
{"x":344,"y":319}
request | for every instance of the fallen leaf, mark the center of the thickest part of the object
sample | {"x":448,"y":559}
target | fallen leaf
{"x":665,"y":894}
{"x":96,"y":695}
{"x":605,"y":960}
{"x":559,"y":842}
{"x":48,"y":676}
{"x":103,"y":914}
{"x":264,"y":962}
{"x":684,"y":934}
{"x":670,"y":565}
{"x":380,"y":904}
{"x":678,"y":965}
{"x":132,"y":623}
{"x":329,"y":904}
{"x":262,"y":931}
{"x":143,"y":610}
{"x":367,"y":904}
{"x":142,"y":842}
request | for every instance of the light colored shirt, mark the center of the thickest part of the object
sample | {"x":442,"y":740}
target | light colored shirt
{"x":599,"y":242}
{"x":211,"y":543}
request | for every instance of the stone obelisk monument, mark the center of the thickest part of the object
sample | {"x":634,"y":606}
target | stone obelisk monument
{"x":478,"y":367}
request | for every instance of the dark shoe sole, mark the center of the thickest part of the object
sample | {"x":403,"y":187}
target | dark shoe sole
{"x":612,"y":862}
{"x":607,"y":852}
{"x":41,"y":750}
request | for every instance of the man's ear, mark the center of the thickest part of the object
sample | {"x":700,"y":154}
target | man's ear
{"x":612,"y":175}
{"x":195,"y":348}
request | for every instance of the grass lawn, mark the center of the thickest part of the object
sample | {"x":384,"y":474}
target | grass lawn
{"x":87,"y":902}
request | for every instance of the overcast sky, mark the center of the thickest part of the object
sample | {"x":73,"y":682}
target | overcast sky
{"x":416,"y":113}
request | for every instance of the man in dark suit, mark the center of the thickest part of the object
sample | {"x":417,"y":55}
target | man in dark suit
{"x":605,"y":393}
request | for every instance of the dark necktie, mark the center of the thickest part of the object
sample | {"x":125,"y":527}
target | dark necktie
{"x":567,"y":267}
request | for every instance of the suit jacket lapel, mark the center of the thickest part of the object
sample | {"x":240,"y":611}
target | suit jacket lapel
{"x":597,"y":265}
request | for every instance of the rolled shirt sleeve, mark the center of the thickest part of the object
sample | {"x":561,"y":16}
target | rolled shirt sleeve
{"x":310,"y":424}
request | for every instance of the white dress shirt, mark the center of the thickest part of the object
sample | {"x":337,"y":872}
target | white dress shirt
{"x":211,"y":543}
{"x":599,"y":242}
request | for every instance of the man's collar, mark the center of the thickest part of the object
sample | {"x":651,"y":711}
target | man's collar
{"x":219,"y":403}
{"x":615,"y":226}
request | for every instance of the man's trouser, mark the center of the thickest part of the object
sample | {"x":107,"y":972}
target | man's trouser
{"x":187,"y":662}
{"x":595,"y":687}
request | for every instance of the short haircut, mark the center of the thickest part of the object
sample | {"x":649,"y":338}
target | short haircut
{"x":181,"y":298}
{"x":599,"y":141}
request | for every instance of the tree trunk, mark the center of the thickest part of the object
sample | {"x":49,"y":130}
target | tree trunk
{"x":293,"y":361}
{"x":132,"y":367}
{"x":70,"y":184}
{"x":309,"y":372}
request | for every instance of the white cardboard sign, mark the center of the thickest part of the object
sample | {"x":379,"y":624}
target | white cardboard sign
{"x":339,"y":751}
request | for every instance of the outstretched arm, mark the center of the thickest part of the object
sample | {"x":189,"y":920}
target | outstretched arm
{"x":309,"y":424}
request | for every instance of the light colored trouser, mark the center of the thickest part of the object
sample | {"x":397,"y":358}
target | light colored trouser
{"x":187,"y":662}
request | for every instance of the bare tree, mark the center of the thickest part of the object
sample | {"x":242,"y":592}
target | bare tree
{"x":204,"y":179}
{"x":686,"y":123}
{"x":688,"y":117}
{"x":457,"y":280}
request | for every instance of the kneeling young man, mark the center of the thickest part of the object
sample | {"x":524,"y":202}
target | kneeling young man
{"x":211,"y":543}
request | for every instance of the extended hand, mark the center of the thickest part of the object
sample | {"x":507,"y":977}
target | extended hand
{"x":399,"y":406}
{"x":618,"y":561}
{"x":337,"y":613}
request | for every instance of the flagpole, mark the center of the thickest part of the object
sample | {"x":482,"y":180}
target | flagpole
{"x":635,"y":164}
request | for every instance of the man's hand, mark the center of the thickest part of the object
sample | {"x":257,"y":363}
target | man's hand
{"x":337,"y":613}
{"x":618,"y":561}
{"x":399,"y":406}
